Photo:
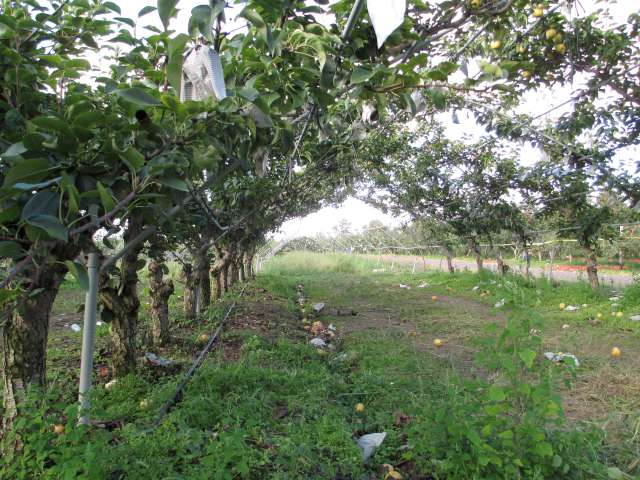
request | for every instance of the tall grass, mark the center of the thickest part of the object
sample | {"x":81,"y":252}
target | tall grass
{"x":308,"y":263}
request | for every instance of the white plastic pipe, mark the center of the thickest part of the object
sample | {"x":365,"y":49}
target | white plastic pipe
{"x":88,"y":338}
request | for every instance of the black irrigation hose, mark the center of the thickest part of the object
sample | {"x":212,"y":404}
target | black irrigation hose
{"x":194,"y":367}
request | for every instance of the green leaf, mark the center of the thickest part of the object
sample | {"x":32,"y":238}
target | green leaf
{"x":248,"y":93}
{"x":138,"y":96}
{"x":496,"y":394}
{"x":437,"y":97}
{"x":51,"y":225}
{"x":53,"y":123}
{"x":78,"y":64}
{"x":614,"y":473}
{"x":176,"y":56}
{"x":543,"y":449}
{"x":253,"y":17}
{"x":360,"y":75}
{"x":11,"y":250}
{"x":166,"y":10}
{"x":42,"y":203}
{"x":202,"y":19}
{"x":146,"y":10}
{"x":105,"y":197}
{"x":175,"y":183}
{"x":7,"y":294}
{"x":113,"y":7}
{"x":79,"y":272}
{"x":133,"y":159}
{"x":29,"y":170}
{"x":89,"y":119}
{"x":527,"y":356}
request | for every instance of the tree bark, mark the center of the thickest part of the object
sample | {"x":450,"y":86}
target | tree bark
{"x":203,"y":282}
{"x":160,"y":290}
{"x":476,"y":252}
{"x":527,"y":264}
{"x":24,"y":336}
{"x":241,"y":270}
{"x":121,"y":300}
{"x":502,"y":270}
{"x":592,"y":266}
{"x":248,"y":265}
{"x":225,"y":276}
{"x":189,"y":295}
{"x":449,"y":255}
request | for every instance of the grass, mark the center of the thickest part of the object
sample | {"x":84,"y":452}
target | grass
{"x":266,"y":405}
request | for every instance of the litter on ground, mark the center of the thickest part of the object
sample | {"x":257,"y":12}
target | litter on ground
{"x":560,"y":357}
{"x":369,"y":442}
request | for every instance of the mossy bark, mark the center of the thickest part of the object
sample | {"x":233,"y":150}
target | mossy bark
{"x":189,"y":295}
{"x":119,"y":297}
{"x":160,"y":290}
{"x":24,"y":337}
{"x":592,"y":266}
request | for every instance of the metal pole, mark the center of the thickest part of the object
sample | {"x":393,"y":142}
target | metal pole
{"x":88,"y":338}
{"x":353,"y":16}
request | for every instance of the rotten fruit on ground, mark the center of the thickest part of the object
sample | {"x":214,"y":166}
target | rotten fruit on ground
{"x":619,"y":314}
{"x":203,"y":338}
{"x":434,"y":297}
{"x":317,"y":327}
{"x":438,"y":342}
{"x":562,"y":306}
{"x":58,"y":428}
{"x":103,"y":371}
{"x":599,"y":315}
{"x":615,"y":352}
{"x":360,"y":407}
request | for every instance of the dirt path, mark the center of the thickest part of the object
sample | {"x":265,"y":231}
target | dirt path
{"x":613,"y":279}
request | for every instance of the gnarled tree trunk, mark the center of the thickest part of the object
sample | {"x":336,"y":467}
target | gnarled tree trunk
{"x":502,"y":268}
{"x":203,"y":282}
{"x":160,"y":290}
{"x":449,"y":256}
{"x":24,"y":336}
{"x":121,"y":300}
{"x":592,"y":266}
{"x":241,"y":272}
{"x":189,"y":296}
{"x":475,"y":248}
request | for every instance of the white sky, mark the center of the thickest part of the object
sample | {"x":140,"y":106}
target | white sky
{"x":356,"y":212}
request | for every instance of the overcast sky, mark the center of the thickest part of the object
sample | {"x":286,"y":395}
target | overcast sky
{"x":357,"y":212}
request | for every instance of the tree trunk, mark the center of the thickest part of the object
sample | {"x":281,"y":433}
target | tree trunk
{"x":189,"y":294}
{"x":552,"y":254}
{"x":476,"y":252}
{"x":160,"y":290}
{"x":449,"y":255}
{"x":24,"y":337}
{"x":122,"y":302}
{"x":233,"y":271}
{"x":592,"y":266}
{"x":502,"y":270}
{"x":225,"y":276}
{"x":203,"y":282}
{"x":527,"y":264}
{"x":620,"y":257}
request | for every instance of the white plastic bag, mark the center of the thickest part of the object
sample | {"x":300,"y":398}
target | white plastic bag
{"x":386,"y":16}
{"x":202,"y":75}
